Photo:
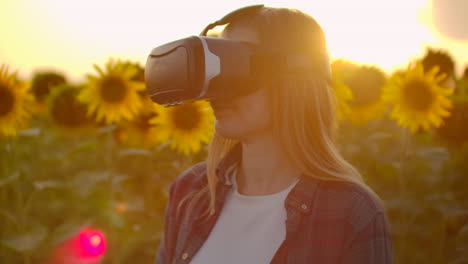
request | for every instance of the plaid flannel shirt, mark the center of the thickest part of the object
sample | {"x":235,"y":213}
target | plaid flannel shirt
{"x":327,"y":222}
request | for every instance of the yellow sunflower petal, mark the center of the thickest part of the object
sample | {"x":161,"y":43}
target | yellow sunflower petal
{"x":15,"y":103}
{"x":112,"y":96}
{"x":417,"y":99}
{"x":187,"y":126}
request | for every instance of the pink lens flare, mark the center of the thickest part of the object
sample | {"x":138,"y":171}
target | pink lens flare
{"x":88,"y":246}
{"x":92,"y":241}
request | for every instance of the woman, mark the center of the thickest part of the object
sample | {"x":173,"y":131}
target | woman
{"x":274,"y":188}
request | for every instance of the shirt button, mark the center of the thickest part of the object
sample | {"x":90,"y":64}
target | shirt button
{"x":185,"y":256}
{"x":304,"y":206}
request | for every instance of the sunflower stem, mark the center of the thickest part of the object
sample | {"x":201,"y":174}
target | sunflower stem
{"x":405,"y":145}
{"x":17,"y":186}
{"x":20,"y":223}
{"x":405,"y":221}
{"x":27,"y":259}
{"x":110,"y":145}
{"x":7,"y":169}
{"x":110,"y":162}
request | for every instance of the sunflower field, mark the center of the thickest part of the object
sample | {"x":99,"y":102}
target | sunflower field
{"x":85,"y":167}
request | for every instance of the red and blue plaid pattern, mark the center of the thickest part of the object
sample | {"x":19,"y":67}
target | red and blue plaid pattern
{"x":327,"y":222}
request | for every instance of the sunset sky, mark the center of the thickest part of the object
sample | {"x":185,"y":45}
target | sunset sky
{"x":70,"y":36}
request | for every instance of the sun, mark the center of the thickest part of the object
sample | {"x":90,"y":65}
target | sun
{"x":15,"y":103}
{"x":187,"y":126}
{"x":417,"y":98}
{"x":113,"y":96}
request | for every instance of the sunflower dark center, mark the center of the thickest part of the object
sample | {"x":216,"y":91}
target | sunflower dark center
{"x":43,"y":83}
{"x":66,"y":110}
{"x":186,"y":117}
{"x":7,"y":100}
{"x":113,"y":89}
{"x":417,"y":94}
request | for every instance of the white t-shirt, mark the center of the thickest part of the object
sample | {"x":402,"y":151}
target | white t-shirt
{"x":249,"y":230}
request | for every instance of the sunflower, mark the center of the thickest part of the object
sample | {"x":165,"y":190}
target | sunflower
{"x":441,"y":59}
{"x":140,"y":71}
{"x":66,"y":111}
{"x":42,"y":85}
{"x":113,"y":95}
{"x":341,"y":70}
{"x":15,"y":103}
{"x":366,"y":84}
{"x":417,"y":98}
{"x":446,"y":64}
{"x":187,"y":125}
{"x":140,"y":131}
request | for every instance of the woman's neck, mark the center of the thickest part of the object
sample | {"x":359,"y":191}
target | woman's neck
{"x":264,"y":169}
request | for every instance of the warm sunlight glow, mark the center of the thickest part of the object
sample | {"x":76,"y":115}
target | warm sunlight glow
{"x":72,"y":35}
{"x":373,"y":32}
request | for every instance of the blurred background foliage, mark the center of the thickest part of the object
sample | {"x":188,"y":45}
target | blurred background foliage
{"x":100,"y":154}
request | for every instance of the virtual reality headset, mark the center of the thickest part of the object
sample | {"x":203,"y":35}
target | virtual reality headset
{"x":206,"y":68}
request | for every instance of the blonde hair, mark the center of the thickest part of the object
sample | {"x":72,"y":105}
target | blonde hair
{"x":302,"y":109}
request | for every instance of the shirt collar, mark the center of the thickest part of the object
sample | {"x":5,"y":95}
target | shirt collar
{"x":299,"y":198}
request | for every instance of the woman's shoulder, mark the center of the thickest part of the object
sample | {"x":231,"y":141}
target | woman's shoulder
{"x":354,"y":202}
{"x":353,"y":192}
{"x":349,"y":219}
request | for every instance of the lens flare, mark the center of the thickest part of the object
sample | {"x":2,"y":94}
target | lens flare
{"x":92,"y":242}
{"x":88,"y":246}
